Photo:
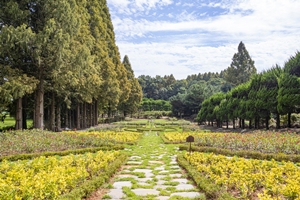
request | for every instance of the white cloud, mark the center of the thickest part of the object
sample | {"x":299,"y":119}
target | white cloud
{"x":270,"y":30}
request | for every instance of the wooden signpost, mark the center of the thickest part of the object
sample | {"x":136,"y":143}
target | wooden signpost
{"x":190,"y":139}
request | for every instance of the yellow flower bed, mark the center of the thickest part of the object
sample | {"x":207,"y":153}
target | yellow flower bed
{"x":264,"y":179}
{"x":47,"y":178}
{"x":110,"y":135}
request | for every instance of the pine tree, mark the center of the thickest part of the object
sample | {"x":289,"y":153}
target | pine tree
{"x":241,"y":68}
{"x":16,"y":39}
{"x":288,"y":93}
{"x":109,"y":91}
{"x":114,"y":54}
{"x":135,"y":97}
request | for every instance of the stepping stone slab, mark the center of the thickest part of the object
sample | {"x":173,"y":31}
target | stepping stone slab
{"x":143,"y":180}
{"x":183,"y":186}
{"x":155,"y":162}
{"x":134,"y":163}
{"x":164,"y":172}
{"x":127,"y":176}
{"x":187,"y":194}
{"x":143,"y":184}
{"x":173,"y":163}
{"x":160,"y":187}
{"x":175,"y":175}
{"x":148,"y":172}
{"x":160,"y":168}
{"x":134,"y":158}
{"x":175,"y":167}
{"x":160,"y":182}
{"x":145,"y":192}
{"x":116,"y":193}
{"x":180,"y":180}
{"x":160,"y":176}
{"x":162,"y":198}
{"x":120,"y":184}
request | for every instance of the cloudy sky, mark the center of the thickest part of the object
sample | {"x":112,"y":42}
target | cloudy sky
{"x":163,"y":37}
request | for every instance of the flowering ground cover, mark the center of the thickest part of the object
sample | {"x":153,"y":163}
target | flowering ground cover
{"x":48,"y":178}
{"x":109,"y":136}
{"x":249,"y":178}
{"x":261,"y":141}
{"x":36,"y":141}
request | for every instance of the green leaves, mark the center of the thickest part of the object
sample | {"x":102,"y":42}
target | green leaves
{"x":241,"y":68}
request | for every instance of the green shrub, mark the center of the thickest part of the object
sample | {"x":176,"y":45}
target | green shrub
{"x":246,"y":154}
{"x":211,"y":190}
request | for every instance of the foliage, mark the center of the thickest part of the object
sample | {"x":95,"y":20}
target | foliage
{"x":269,"y":94}
{"x":61,"y":66}
{"x":241,"y":68}
{"x":260,"y":141}
{"x":35,"y":141}
{"x":249,"y":177}
{"x":89,"y":186}
{"x":211,"y":190}
{"x":155,"y":105}
{"x":47,"y":178}
{"x":108,"y":136}
{"x":153,"y":114}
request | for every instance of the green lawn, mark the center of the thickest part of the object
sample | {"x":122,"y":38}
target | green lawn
{"x":10,"y":121}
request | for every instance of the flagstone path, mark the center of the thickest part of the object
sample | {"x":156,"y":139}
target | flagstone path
{"x":152,"y":173}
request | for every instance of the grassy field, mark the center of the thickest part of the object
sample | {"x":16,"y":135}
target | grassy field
{"x":10,"y":122}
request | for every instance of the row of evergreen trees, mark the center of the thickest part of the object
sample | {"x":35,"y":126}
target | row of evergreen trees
{"x":59,"y":63}
{"x":272,"y":93}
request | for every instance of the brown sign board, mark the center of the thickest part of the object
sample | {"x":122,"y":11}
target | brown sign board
{"x":190,"y":139}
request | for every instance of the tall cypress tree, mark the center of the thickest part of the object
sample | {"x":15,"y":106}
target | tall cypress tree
{"x":241,"y":68}
{"x":109,"y":91}
{"x":114,"y":54}
{"x":16,"y":40}
{"x":135,"y":97}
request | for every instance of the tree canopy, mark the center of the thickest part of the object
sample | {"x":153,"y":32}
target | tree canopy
{"x":241,"y":68}
{"x":62,"y":58}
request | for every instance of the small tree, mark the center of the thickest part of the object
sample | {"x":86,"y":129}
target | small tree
{"x":241,"y":68}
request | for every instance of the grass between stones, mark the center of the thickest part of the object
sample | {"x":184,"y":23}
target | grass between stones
{"x":152,"y":170}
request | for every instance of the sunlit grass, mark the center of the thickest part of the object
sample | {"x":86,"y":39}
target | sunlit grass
{"x":10,"y":122}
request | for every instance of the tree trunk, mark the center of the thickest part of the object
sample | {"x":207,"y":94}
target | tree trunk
{"x":70,"y":119}
{"x":19,"y":114}
{"x":91,"y":114}
{"x":277,"y":121}
{"x":289,"y":120}
{"x":227,"y":123}
{"x":84,"y":115}
{"x":67,"y":124}
{"x":267,"y":123}
{"x":24,"y":114}
{"x":243,"y":123}
{"x":250,"y":124}
{"x":256,"y":123}
{"x":58,"y":118}
{"x":78,"y":116}
{"x":109,"y":111}
{"x":39,"y":106}
{"x":52,"y":112}
{"x":240,"y":123}
{"x":233,"y":123}
{"x":81,"y":115}
{"x":96,"y":113}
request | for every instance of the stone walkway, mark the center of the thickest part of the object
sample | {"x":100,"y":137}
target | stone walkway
{"x":152,"y":173}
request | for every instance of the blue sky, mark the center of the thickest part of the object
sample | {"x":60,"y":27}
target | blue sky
{"x":163,"y":37}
